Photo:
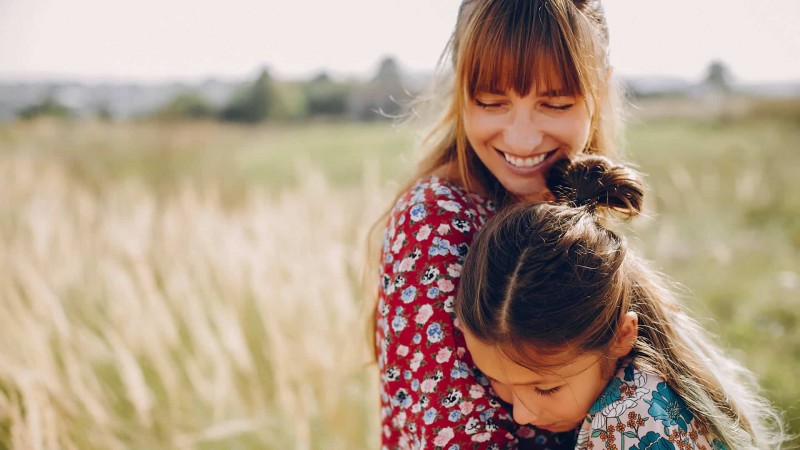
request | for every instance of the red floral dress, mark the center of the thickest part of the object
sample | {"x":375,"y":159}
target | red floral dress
{"x":432,"y":397}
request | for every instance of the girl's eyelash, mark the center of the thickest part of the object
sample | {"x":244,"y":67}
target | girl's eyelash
{"x":546,"y":392}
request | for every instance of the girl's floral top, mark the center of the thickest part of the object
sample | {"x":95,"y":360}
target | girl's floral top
{"x":639,"y":411}
{"x":431,"y":395}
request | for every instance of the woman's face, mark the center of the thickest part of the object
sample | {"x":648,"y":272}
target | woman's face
{"x":557,"y":399}
{"x":519,"y":138}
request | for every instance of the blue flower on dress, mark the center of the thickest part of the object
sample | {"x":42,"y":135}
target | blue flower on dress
{"x":443,"y":191}
{"x":430,"y":416}
{"x":417,"y":338}
{"x":610,"y":395}
{"x":435,"y":333}
{"x":418,"y":213}
{"x":415,"y":385}
{"x":454,"y":447}
{"x":460,"y":370}
{"x":408,"y":294}
{"x":668,"y":407}
{"x":439,"y":247}
{"x":407,"y":374}
{"x":454,"y":415}
{"x":486,"y":415}
{"x":399,"y":323}
{"x":433,"y":292}
{"x":653,"y":441}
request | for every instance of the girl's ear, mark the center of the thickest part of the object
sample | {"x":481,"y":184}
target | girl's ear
{"x":625,"y":337}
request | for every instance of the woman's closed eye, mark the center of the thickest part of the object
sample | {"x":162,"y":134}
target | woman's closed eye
{"x":559,"y":107}
{"x":488,"y":104}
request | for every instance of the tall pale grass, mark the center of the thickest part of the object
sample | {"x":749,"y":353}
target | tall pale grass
{"x":135,"y":320}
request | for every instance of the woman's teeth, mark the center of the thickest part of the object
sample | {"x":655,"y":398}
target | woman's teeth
{"x":526,"y":162}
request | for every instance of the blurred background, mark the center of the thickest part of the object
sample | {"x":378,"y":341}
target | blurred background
{"x":187,"y":188}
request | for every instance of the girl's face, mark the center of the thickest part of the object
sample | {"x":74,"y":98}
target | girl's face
{"x":557,"y":399}
{"x":519,"y":138}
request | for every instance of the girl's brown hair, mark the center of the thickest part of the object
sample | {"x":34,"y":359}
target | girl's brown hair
{"x":545,"y":278}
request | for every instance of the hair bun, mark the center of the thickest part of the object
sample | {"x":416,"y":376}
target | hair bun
{"x":594,"y":181}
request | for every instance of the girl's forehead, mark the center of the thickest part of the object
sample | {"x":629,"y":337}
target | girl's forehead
{"x":515,"y":366}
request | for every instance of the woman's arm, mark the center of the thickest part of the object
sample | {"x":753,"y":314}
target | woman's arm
{"x":430,"y":396}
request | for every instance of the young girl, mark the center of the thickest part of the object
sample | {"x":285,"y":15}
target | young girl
{"x":577,"y":333}
{"x":531,"y":84}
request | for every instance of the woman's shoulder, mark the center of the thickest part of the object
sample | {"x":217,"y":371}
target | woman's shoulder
{"x":638,"y":407}
{"x":433,"y":192}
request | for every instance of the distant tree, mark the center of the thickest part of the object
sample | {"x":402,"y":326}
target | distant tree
{"x":389,"y":73}
{"x":253,"y":104}
{"x":383,"y":96}
{"x":189,"y":105}
{"x":47,"y":107}
{"x":326,"y":97}
{"x":718,"y":77}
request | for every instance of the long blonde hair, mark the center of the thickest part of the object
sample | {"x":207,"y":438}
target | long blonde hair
{"x":519,"y":45}
{"x":548,"y":277}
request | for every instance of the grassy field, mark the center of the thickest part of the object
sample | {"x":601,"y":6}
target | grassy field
{"x":195,"y":285}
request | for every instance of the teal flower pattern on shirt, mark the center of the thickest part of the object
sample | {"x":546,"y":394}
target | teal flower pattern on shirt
{"x":667,"y":407}
{"x":639,"y":411}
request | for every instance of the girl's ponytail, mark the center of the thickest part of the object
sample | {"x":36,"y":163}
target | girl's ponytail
{"x":596,"y":183}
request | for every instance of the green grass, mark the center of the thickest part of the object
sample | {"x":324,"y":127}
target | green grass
{"x":211,"y":222}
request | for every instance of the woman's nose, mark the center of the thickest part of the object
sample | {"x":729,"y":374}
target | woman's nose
{"x":523,"y":135}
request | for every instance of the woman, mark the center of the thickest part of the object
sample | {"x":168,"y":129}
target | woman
{"x":531,"y":86}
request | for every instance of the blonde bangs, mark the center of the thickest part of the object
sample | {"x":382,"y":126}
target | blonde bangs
{"x":496,"y":47}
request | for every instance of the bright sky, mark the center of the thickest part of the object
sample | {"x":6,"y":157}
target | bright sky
{"x":157,"y":40}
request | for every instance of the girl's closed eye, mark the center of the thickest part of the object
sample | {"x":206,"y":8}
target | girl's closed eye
{"x":546,"y":392}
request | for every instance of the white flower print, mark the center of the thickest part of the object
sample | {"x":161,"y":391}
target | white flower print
{"x":428,"y":386}
{"x":449,"y":205}
{"x":423,"y":314}
{"x":424,"y":232}
{"x":472,"y":426}
{"x":416,"y":361}
{"x":443,"y":229}
{"x":461,"y":225}
{"x":402,"y":350}
{"x":452,"y":398}
{"x":466,"y":407}
{"x":445,"y":285}
{"x":449,"y":304}
{"x":444,"y":436}
{"x":398,"y":242}
{"x":482,"y":437}
{"x":476,"y":391}
{"x":454,"y":270}
{"x":405,"y":265}
{"x":444,"y":355}
{"x":392,"y":374}
{"x":430,"y":275}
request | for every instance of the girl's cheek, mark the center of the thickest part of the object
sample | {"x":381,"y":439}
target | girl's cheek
{"x":503,"y":392}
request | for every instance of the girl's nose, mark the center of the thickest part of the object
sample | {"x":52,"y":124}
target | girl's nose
{"x":523,"y":135}
{"x":522,"y":414}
